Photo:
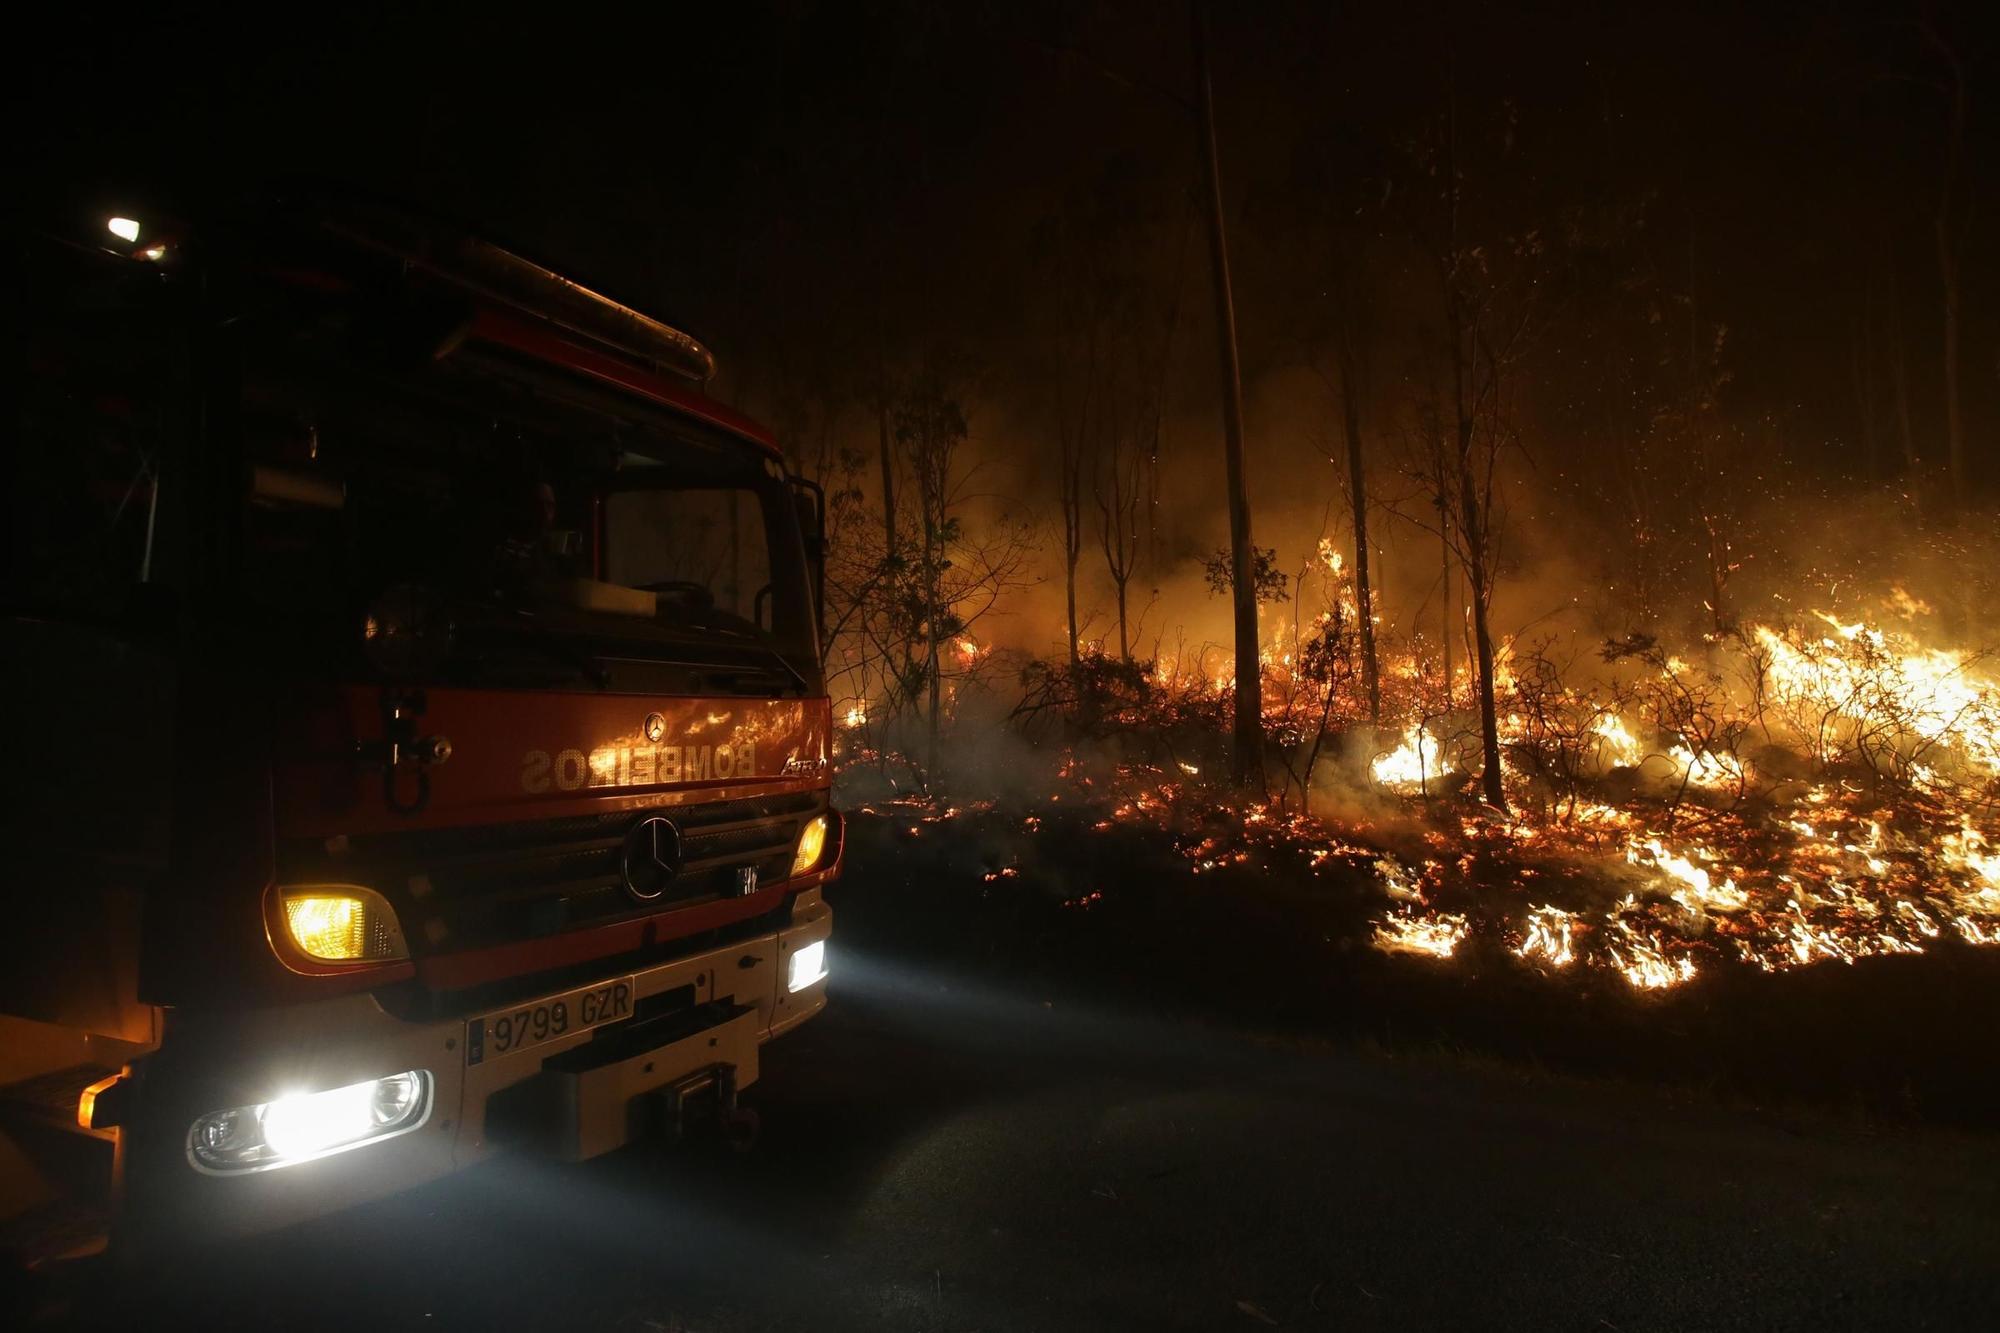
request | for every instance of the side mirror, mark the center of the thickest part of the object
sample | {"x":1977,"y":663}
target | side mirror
{"x":809,"y":498}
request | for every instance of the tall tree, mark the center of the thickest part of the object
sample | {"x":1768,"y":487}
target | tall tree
{"x":1119,"y":487}
{"x":1124,"y":479}
{"x":1488,"y":282}
{"x":1473,"y":397}
{"x":1899,"y":370}
{"x":1949,"y":225}
{"x":1248,"y":752}
{"x":958,"y":570}
{"x":1861,"y":371}
{"x":1069,"y":475}
{"x":1085,"y":251}
{"x":885,"y":433}
{"x":1075,"y":400}
{"x":1350,"y":358}
{"x":931,"y":427}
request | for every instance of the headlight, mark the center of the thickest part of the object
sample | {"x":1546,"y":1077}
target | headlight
{"x":808,"y":965}
{"x":812,"y":841}
{"x":342,"y":923}
{"x":302,"y":1126}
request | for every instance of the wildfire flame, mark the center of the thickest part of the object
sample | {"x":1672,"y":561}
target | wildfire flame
{"x":1698,"y":890}
{"x":1620,"y":747}
{"x":1640,"y":954}
{"x":1549,"y":937}
{"x":1881,"y":696}
{"x":1710,"y":768}
{"x":1419,"y":759}
{"x":1864,"y":827}
{"x":1437,"y":935}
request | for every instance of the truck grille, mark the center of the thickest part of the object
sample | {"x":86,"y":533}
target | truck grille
{"x":487,"y":884}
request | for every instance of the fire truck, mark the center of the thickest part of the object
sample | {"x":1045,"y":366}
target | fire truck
{"x":416,"y":720}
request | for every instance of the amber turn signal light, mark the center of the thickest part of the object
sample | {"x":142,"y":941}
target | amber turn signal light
{"x":342,"y":923}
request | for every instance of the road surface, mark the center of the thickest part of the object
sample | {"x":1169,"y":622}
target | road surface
{"x":938,"y":1156}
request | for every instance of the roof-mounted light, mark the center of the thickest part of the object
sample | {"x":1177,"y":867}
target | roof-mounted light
{"x":499,"y":275}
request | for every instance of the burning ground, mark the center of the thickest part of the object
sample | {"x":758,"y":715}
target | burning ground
{"x":1775,"y":871}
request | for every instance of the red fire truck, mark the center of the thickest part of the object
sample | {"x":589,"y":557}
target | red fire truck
{"x":416,"y":717}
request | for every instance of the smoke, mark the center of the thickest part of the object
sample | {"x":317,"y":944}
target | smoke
{"x":1597,"y":540}
{"x":1575,"y":557}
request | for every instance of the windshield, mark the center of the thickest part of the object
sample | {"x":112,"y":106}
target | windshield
{"x":704,"y":552}
{"x":483,"y":522}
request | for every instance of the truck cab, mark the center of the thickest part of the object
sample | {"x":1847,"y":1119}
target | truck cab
{"x":417,"y":679}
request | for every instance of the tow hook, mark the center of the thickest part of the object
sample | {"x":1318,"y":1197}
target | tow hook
{"x":401,"y":747}
{"x":709,"y":1094}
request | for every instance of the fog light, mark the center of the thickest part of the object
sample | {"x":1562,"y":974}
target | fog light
{"x":812,"y":841}
{"x":342,"y":923}
{"x":303,"y":1126}
{"x":808,"y":965}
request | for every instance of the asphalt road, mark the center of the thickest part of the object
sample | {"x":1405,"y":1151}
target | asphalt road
{"x":939,"y":1157}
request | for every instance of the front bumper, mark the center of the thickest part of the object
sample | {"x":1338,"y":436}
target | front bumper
{"x":251,"y":1058}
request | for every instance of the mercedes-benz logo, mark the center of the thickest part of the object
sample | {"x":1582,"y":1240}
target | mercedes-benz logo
{"x":656,"y":727}
{"x":651,"y":857}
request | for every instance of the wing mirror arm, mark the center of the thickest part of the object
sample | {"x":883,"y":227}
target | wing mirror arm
{"x":810,"y":499}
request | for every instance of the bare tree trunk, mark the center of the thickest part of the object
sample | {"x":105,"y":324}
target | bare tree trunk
{"x":1357,"y":485}
{"x":1077,"y":426}
{"x":1945,"y":228}
{"x":934,"y":663}
{"x":930,"y":444}
{"x":1861,"y":357}
{"x":1719,"y":569}
{"x":888,"y":474}
{"x":1069,"y":587}
{"x":931,"y":754}
{"x":1489,"y":721}
{"x":1072,"y":511}
{"x":1444,"y":590}
{"x":1899,"y":372}
{"x":1472,"y":534}
{"x":1248,"y":755}
{"x":1118,"y":522}
{"x":1954,"y":424}
{"x":1471,"y":516}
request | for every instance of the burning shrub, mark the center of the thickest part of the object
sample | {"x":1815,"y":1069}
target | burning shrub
{"x":1152,"y":714}
{"x":1692,"y":706}
{"x":1868,"y":699}
{"x":1561,"y":736}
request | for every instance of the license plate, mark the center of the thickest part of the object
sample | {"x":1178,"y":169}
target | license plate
{"x":524,"y":1026}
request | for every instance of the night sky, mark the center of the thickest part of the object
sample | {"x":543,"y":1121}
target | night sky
{"x":815,"y":186}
